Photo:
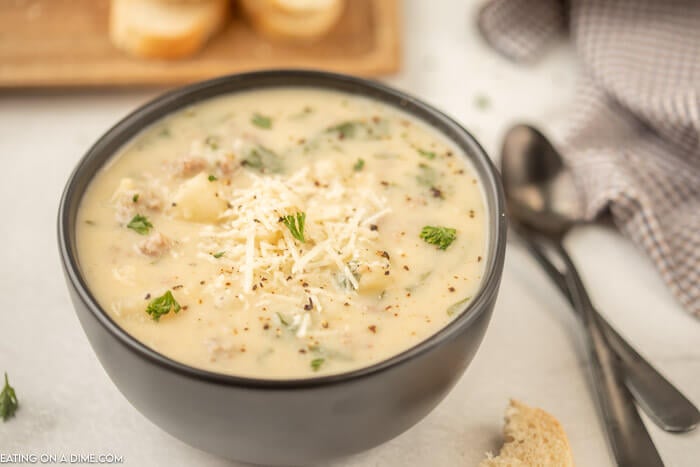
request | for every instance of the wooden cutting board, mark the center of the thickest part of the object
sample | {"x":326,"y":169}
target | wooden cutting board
{"x":65,"y":43}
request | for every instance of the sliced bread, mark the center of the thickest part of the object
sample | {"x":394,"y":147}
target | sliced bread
{"x":164,"y":29}
{"x":297,"y":20}
{"x":533,"y":438}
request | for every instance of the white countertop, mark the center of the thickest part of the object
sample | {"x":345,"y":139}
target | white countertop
{"x":531,"y":350}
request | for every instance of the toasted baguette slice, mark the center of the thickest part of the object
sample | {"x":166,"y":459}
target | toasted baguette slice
{"x":296,"y":20}
{"x":164,"y":29}
{"x":533,"y":438}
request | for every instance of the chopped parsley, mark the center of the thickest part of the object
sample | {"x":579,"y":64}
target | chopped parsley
{"x":295,"y":224}
{"x":261,"y":121}
{"x":373,"y":129}
{"x":140,"y":224}
{"x":482,"y":102}
{"x":212,"y":142}
{"x":345,"y":129}
{"x":162,"y":305}
{"x":8,"y":401}
{"x":316,"y":363}
{"x":425,"y":153}
{"x":455,"y":307}
{"x":218,"y":255}
{"x":263,"y":160}
{"x":135,"y":198}
{"x":426,"y":175}
{"x":359,"y":165}
{"x":442,"y":237}
{"x":212,"y":178}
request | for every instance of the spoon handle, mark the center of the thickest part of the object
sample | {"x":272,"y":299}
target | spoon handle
{"x":661,"y":400}
{"x":629,"y":438}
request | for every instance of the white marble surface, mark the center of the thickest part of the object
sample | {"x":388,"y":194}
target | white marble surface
{"x":68,"y":405}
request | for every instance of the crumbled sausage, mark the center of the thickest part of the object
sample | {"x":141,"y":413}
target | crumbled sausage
{"x":130,"y":199}
{"x":155,"y":245}
{"x":189,"y":166}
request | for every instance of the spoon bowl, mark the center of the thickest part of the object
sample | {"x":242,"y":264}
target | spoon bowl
{"x":540,"y":189}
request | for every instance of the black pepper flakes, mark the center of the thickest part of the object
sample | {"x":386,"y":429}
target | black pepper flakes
{"x":309,"y":306}
{"x":148,"y":295}
{"x":373,"y":227}
{"x":372,"y":328}
{"x":436,"y":192}
{"x":451,"y":289}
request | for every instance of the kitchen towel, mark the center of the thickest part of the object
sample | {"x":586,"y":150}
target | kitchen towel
{"x":634,"y":139}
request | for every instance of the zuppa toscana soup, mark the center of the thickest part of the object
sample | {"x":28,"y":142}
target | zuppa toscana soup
{"x":284,"y":233}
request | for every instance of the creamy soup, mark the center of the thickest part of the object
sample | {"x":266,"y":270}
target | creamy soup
{"x":284,"y":233}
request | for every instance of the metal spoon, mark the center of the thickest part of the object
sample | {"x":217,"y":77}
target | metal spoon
{"x":667,"y":407}
{"x":540,"y":193}
{"x":664,"y":404}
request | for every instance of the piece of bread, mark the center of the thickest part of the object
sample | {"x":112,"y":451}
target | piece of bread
{"x":533,"y":438}
{"x":296,"y":20}
{"x":166,"y":29}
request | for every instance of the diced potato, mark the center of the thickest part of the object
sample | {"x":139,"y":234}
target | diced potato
{"x":196,"y":200}
{"x":373,"y":280}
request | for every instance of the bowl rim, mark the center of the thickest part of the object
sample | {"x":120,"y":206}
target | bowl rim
{"x":98,"y":154}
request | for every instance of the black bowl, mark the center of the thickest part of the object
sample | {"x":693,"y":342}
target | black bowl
{"x":283,"y":422}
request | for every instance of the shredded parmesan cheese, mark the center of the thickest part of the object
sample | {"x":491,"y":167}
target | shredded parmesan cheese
{"x":262,"y":255}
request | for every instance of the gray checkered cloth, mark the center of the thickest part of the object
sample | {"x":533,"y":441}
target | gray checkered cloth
{"x":634,"y":142}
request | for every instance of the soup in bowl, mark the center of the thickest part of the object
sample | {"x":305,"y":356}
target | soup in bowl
{"x":284,"y":267}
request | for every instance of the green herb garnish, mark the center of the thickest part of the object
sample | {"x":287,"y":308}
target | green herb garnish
{"x":316,"y":363}
{"x":359,"y":165}
{"x":427,"y":175}
{"x":482,"y":102}
{"x":442,"y":237}
{"x":344,"y":130}
{"x":282,"y":319}
{"x":295,"y":224}
{"x":263,"y":160}
{"x":212,"y":142}
{"x":218,"y":255}
{"x":261,"y":121}
{"x":162,"y":305}
{"x":8,"y":401}
{"x":140,"y":224}
{"x":135,"y":198}
{"x":425,"y":153}
{"x":455,"y":307}
{"x":212,"y":178}
{"x":359,"y":129}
